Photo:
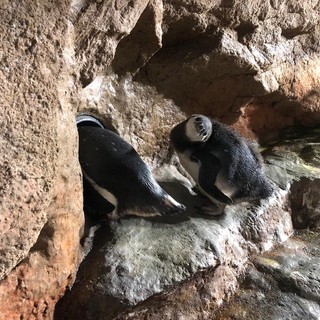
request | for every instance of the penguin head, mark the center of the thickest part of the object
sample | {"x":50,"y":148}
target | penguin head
{"x":198,"y":128}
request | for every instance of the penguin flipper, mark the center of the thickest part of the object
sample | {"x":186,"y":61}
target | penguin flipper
{"x":208,"y":173}
{"x":94,"y":203}
{"x":215,"y":193}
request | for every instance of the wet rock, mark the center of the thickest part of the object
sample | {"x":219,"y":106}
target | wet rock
{"x":301,"y":172}
{"x":148,"y":257}
{"x":295,"y":266}
{"x":305,"y":204}
{"x":281,"y":284}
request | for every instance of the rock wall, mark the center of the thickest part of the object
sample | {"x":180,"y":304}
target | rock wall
{"x":140,"y":66}
{"x":39,"y":170}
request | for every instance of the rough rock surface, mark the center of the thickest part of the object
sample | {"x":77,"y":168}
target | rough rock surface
{"x":281,"y":284}
{"x":240,"y":62}
{"x":139,"y":66}
{"x":190,"y":264}
{"x":40,"y":226}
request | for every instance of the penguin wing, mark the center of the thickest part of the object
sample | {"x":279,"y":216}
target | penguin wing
{"x":93,"y":201}
{"x":105,"y":157}
{"x":210,"y":167}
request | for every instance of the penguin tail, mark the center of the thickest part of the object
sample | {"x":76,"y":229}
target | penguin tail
{"x":172,"y":206}
{"x":266,"y":190}
{"x":262,"y":189}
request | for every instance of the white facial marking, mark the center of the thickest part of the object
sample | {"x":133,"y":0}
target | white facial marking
{"x":191,"y":131}
{"x":198,"y":128}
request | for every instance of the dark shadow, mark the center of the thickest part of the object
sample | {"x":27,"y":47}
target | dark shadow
{"x":192,"y":201}
{"x":94,"y":205}
{"x":305,"y":200}
{"x":97,"y":208}
{"x":74,"y":304}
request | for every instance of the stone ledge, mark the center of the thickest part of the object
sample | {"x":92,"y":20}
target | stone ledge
{"x":179,"y":266}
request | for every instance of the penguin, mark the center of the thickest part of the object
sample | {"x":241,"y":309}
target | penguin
{"x":226,"y":167}
{"x":113,"y":168}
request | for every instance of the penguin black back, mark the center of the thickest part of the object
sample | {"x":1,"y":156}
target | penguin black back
{"x":114,"y":165}
{"x":240,"y":161}
{"x":225,"y":165}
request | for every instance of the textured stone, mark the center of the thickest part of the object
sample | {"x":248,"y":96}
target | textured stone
{"x":139,"y":114}
{"x":40,"y":186}
{"x":170,"y":258}
{"x":96,"y":43}
{"x":241,"y":62}
{"x":144,"y":257}
{"x":27,"y":138}
{"x":139,"y":66}
{"x":142,"y":42}
{"x":282,"y":284}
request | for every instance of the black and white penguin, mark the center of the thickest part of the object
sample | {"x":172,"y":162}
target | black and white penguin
{"x":226,"y":167}
{"x":115,"y":170}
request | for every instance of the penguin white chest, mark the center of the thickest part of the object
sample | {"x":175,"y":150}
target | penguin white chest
{"x":192,"y":167}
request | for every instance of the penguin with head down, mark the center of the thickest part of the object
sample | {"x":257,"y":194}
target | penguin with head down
{"x":226,"y":167}
{"x":115,"y":171}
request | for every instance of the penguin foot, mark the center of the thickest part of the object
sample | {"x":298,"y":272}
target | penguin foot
{"x":176,"y":209}
{"x":211,"y":209}
{"x":172,"y":206}
{"x":196,"y":190}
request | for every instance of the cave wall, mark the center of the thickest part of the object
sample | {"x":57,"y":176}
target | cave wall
{"x":40,"y":224}
{"x":140,"y":66}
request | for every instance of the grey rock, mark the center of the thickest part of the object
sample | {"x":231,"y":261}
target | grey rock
{"x":282,"y":284}
{"x":144,"y":267}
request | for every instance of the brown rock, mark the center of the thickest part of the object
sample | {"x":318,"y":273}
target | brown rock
{"x":221,"y":59}
{"x":40,"y":198}
{"x":99,"y":26}
{"x":143,"y":41}
{"x":29,"y":63}
{"x":140,"y":66}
